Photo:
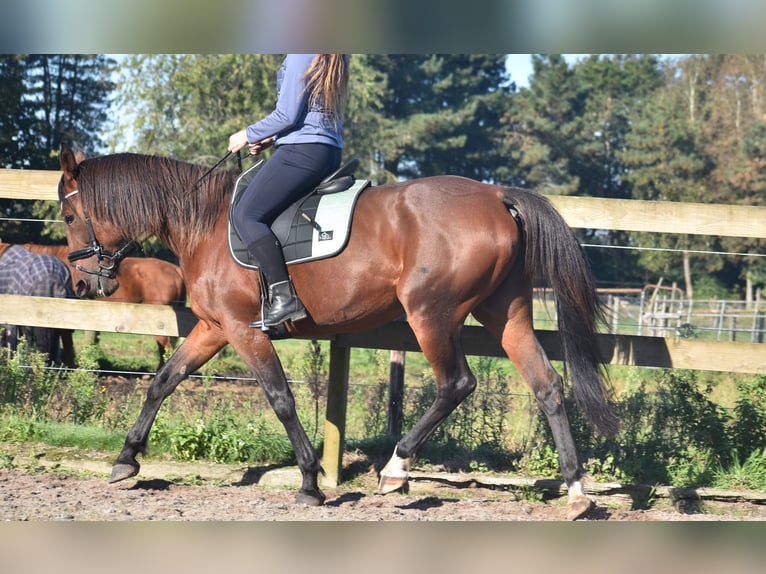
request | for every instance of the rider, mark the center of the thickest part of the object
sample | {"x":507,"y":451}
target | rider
{"x":306,"y":131}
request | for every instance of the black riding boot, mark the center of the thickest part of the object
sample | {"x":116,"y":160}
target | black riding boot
{"x":284,"y":303}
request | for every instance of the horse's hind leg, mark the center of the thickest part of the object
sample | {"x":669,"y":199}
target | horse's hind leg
{"x":511,"y":324}
{"x":199,"y":347}
{"x":441,"y":345}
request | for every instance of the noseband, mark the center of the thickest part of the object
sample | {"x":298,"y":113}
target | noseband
{"x":108,"y":261}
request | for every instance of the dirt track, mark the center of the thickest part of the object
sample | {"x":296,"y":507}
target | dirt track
{"x":35,"y":488}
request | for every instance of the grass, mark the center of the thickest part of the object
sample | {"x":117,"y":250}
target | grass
{"x":17,"y":428}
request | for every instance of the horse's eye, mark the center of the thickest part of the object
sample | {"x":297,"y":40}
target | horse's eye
{"x":69,"y":219}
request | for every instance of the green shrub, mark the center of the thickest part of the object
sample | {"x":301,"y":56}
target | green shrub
{"x":29,"y":387}
{"x":673,"y":434}
{"x":748,"y":429}
{"x":671,"y":430}
{"x":670,"y":433}
{"x":87,"y":397}
{"x":223,"y":439}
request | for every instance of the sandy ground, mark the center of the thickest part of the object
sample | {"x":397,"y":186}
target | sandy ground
{"x":35,"y":487}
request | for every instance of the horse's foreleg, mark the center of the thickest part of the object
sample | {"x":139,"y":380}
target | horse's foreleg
{"x":67,"y":348}
{"x":454,"y":382}
{"x":199,"y":347}
{"x":265,"y":364}
{"x":163,"y":346}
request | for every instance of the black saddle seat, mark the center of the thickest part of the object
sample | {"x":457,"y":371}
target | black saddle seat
{"x":339,"y":180}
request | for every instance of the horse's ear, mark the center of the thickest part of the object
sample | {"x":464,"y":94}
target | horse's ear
{"x":68,"y":163}
{"x":67,"y":159}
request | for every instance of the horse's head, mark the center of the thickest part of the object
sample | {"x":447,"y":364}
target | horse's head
{"x":95,"y":250}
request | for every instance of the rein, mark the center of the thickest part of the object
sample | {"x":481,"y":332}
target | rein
{"x":220,"y":161}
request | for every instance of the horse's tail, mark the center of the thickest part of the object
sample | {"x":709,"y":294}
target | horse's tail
{"x":552,"y":254}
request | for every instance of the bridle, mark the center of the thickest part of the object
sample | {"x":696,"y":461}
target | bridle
{"x":108,"y":261}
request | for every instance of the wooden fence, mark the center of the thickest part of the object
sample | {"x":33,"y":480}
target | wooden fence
{"x":579,"y":212}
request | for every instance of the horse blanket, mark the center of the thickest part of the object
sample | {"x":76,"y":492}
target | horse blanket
{"x":41,"y":275}
{"x":25,"y":273}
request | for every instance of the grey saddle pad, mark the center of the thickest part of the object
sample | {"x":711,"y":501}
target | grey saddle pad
{"x":314,"y":227}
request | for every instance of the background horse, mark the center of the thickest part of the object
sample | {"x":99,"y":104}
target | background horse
{"x":141,"y":280}
{"x":437,"y":249}
{"x":25,"y":273}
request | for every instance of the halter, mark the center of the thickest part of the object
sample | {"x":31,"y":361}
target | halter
{"x":108,"y":261}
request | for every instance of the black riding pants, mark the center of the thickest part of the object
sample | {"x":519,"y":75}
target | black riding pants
{"x":291,"y":172}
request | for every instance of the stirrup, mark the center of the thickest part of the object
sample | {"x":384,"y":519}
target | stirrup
{"x":258,"y":323}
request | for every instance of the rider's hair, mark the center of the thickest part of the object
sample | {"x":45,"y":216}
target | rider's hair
{"x":327,"y":83}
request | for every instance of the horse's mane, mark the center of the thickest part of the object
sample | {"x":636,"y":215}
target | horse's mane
{"x":140,"y":194}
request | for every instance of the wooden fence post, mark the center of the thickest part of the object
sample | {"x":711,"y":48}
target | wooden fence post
{"x":335,"y":421}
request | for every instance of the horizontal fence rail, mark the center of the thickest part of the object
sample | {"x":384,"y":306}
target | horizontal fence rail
{"x":631,"y":350}
{"x":578,"y":212}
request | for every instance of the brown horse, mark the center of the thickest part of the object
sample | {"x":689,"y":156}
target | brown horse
{"x":436,"y":249}
{"x":141,"y":280}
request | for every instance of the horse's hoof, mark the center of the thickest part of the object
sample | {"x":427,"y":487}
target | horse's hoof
{"x":579,"y":508}
{"x":313,"y":498}
{"x":121,"y":471}
{"x":390,"y":483}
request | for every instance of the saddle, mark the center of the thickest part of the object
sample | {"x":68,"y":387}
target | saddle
{"x":314,"y":227}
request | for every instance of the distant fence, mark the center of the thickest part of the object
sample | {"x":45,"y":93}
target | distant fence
{"x":675,"y":348}
{"x":657,"y":311}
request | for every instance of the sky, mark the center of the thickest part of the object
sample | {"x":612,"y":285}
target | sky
{"x":520,"y":67}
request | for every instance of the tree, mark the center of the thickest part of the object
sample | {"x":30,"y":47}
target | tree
{"x":567,"y":133}
{"x":667,"y":160}
{"x":541,"y":126}
{"x":49,"y":99}
{"x":699,"y":140}
{"x":568,"y":128}
{"x":364,"y":120}
{"x":442,"y":114}
{"x":187,"y":106}
{"x":65,"y":98}
{"x":11,"y":108}
{"x":736,"y":107}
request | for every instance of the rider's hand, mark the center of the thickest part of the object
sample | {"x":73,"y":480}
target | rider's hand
{"x":258,"y":147}
{"x":237,"y":141}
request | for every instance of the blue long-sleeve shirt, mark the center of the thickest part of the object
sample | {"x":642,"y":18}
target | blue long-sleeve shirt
{"x":292,"y":121}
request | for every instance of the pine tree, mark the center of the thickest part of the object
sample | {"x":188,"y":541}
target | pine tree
{"x":11,"y":94}
{"x":47,"y":99}
{"x":442,"y":114}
